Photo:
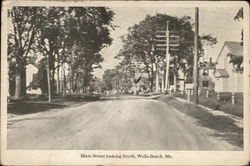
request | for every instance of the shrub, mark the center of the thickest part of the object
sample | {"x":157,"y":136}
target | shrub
{"x":236,"y":109}
{"x":210,"y":103}
{"x":183,"y":96}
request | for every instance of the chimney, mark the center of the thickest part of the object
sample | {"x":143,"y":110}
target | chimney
{"x":210,"y":61}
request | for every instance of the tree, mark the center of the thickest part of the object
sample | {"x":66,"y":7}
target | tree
{"x":238,"y":60}
{"x":50,"y":39}
{"x":121,"y":78}
{"x":140,"y":44}
{"x":88,"y":32}
{"x":25,"y":21}
{"x":109,"y":78}
{"x":74,"y":35}
{"x":238,"y":17}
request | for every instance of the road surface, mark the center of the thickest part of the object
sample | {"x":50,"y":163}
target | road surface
{"x":138,"y":124}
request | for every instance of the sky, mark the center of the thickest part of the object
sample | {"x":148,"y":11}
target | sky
{"x":218,"y":22}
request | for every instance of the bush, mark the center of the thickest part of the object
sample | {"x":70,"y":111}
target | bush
{"x":232,"y":109}
{"x":183,"y":96}
{"x":210,"y":103}
{"x":225,"y":103}
{"x":225,"y":97}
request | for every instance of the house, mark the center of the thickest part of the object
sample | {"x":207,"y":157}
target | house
{"x":32,"y":77}
{"x":206,"y":75}
{"x":227,"y":79}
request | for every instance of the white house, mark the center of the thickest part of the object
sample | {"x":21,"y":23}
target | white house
{"x":32,"y":76}
{"x":226,"y":79}
{"x":206,"y":75}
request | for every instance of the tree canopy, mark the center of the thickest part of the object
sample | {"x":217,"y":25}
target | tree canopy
{"x":140,"y":43}
{"x":72,"y":35}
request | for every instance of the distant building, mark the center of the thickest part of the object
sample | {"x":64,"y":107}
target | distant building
{"x":32,"y":79}
{"x":206,"y":75}
{"x":226,"y":78}
{"x":32,"y":75}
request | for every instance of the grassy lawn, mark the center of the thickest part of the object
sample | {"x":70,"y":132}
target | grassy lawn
{"x":34,"y":104}
{"x":225,"y":126}
{"x":224,"y":104}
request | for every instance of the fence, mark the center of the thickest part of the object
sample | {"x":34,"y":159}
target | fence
{"x":225,"y":101}
{"x":219,"y":96}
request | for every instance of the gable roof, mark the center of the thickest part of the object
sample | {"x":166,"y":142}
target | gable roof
{"x":207,"y":65}
{"x":235,"y":48}
{"x":221,"y":73}
{"x":32,"y":61}
{"x":34,"y":64}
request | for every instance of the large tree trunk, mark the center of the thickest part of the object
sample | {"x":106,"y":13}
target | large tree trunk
{"x":175,"y":81}
{"x":156,"y":78}
{"x":63,"y":82}
{"x":152,"y":79}
{"x":84,"y":89}
{"x":48,"y":79}
{"x":74,"y":82}
{"x":70,"y":79}
{"x":53,"y":82}
{"x":18,"y":83}
{"x":162,"y":84}
{"x":58,"y":80}
{"x":58,"y":75}
{"x":23,"y":81}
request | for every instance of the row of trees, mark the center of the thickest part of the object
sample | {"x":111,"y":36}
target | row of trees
{"x":141,"y":38}
{"x":122,"y":77}
{"x":69,"y":37}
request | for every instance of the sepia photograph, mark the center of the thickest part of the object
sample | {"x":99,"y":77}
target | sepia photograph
{"x":125,"y":78}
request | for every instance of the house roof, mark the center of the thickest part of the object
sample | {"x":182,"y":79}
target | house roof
{"x":35,"y":65}
{"x":235,"y":48}
{"x":221,"y":73}
{"x":32,"y":61}
{"x":207,"y":65}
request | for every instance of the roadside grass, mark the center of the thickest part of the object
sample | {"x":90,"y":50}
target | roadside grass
{"x":20,"y":108}
{"x":35,"y":103}
{"x":225,"y":127}
{"x":224,"y":104}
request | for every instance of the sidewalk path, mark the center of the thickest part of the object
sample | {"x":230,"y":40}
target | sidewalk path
{"x":238,"y":120}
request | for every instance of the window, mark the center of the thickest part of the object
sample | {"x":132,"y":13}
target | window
{"x":205,"y":83}
{"x":205,"y":73}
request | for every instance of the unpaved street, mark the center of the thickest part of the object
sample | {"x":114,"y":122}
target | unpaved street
{"x":138,"y":124}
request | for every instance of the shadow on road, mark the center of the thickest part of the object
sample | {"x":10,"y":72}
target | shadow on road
{"x":21,"y":108}
{"x":34,"y":103}
{"x":31,"y":104}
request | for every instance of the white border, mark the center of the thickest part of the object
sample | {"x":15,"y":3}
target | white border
{"x":72,"y":157}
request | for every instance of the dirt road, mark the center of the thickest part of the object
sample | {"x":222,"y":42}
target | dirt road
{"x":138,"y":124}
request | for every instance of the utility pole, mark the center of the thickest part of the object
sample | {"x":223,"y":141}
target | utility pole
{"x":156,"y":72}
{"x":167,"y":42}
{"x":167,"y":57}
{"x":195,"y":72}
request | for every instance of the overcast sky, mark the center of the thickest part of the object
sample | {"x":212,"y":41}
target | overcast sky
{"x":216,"y":21}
